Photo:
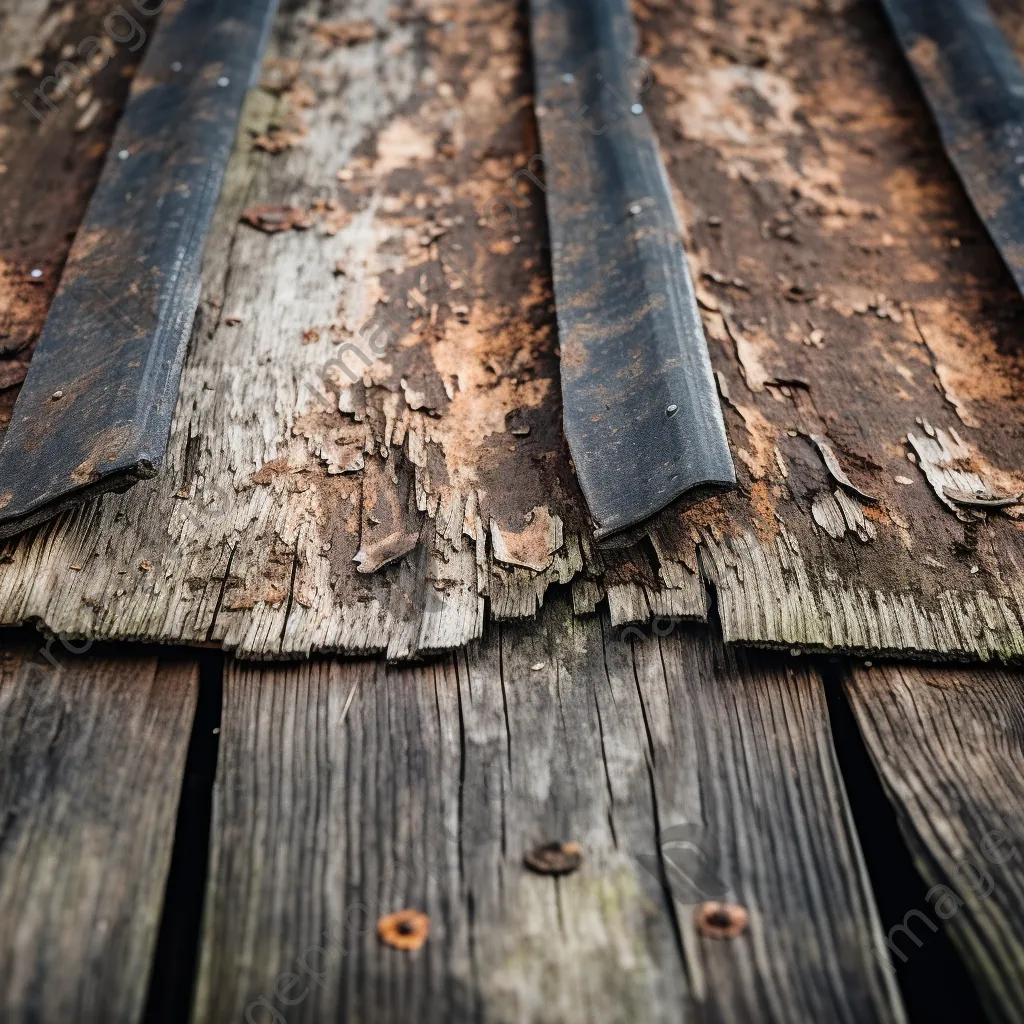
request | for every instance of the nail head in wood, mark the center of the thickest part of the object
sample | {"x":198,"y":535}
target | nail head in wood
{"x":721,"y":920}
{"x":554,"y":858}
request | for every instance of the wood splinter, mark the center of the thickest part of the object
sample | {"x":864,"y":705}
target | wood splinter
{"x":828,"y":456}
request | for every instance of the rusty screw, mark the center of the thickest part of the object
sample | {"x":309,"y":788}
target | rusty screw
{"x":721,"y":920}
{"x":404,"y":929}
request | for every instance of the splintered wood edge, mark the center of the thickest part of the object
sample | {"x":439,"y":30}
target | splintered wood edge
{"x":117,"y":570}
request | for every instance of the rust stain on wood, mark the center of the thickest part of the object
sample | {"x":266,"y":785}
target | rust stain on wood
{"x":406,"y":469}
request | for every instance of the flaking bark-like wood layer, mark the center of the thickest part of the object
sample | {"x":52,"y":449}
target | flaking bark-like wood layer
{"x":367,"y":453}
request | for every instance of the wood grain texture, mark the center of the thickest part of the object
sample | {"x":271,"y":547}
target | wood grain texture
{"x":347,"y":790}
{"x":948,"y":746}
{"x":273,"y":508}
{"x":304,"y":507}
{"x":852,"y":296}
{"x":91,"y":765}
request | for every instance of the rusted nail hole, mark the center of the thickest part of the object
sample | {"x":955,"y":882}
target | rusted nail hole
{"x":554,"y":858}
{"x":404,"y":929}
{"x":721,"y":920}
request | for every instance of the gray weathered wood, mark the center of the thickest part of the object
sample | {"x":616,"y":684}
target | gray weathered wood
{"x":948,"y":745}
{"x":399,"y":510}
{"x":91,"y":761}
{"x":24,"y":24}
{"x":259,"y":519}
{"x":348,"y":786}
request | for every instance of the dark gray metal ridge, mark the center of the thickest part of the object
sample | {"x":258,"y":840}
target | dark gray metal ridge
{"x":975,"y":88}
{"x":640,"y":406}
{"x":95,"y":411}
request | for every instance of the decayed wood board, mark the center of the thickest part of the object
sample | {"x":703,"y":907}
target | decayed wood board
{"x":274,"y":509}
{"x":347,"y":789}
{"x":92,"y":754}
{"x":861,"y":325}
{"x":852,"y":296}
{"x":948,"y":745}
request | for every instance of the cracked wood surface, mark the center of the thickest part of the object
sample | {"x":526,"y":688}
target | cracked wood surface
{"x":92,"y":756}
{"x":852,"y":302}
{"x":350,"y":789}
{"x":948,"y":746}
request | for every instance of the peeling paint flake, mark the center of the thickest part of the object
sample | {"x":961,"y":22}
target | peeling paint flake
{"x":828,"y":456}
{"x":532,"y":547}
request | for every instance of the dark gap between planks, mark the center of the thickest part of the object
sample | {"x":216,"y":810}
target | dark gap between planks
{"x":933,"y":981}
{"x":172,"y":981}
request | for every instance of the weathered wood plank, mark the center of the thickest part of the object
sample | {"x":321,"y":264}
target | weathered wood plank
{"x":347,"y":790}
{"x":95,"y":408}
{"x":759,"y":773}
{"x":871,"y":312}
{"x":304,"y":507}
{"x":948,"y":746}
{"x":273,"y":510}
{"x":91,"y":761}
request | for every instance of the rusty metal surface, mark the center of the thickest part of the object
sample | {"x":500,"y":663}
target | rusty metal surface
{"x":95,"y":411}
{"x":974,"y":86}
{"x":641,"y":410}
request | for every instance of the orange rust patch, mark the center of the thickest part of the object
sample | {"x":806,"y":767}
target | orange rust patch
{"x":965,"y":358}
{"x":272,"y":219}
{"x":721,"y":920}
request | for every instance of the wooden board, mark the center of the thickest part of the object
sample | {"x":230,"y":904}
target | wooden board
{"x":948,"y":744}
{"x":92,"y":753}
{"x":348,"y":789}
{"x":251,"y":530}
{"x":303,"y":507}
